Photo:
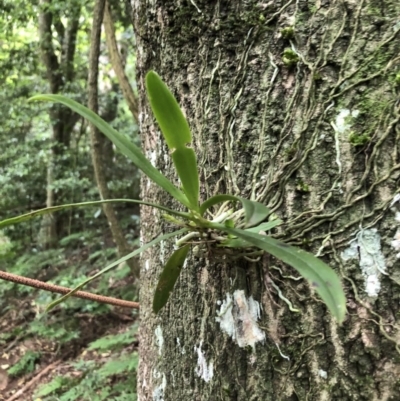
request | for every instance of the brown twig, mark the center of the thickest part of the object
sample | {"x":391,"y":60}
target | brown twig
{"x":64,"y":290}
{"x":33,"y":381}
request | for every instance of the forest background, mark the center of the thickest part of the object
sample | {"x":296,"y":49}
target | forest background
{"x":82,"y":349}
{"x":292,"y":103}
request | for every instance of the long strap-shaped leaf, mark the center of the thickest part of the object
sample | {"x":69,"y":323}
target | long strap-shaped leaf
{"x":176,"y":132}
{"x":322,"y":278}
{"x":168,"y":277}
{"x":128,"y":148}
{"x":241,"y":243}
{"x":116,"y":263}
{"x":47,"y":210}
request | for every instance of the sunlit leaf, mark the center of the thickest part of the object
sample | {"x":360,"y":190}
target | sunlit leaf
{"x":116,"y":263}
{"x":321,"y":277}
{"x":126,"y":147}
{"x":186,"y":167}
{"x":168,"y":277}
{"x":256,"y":212}
{"x":169,"y":116}
{"x":176,"y":132}
{"x":40,"y":212}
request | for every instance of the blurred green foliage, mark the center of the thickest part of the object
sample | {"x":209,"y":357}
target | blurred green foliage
{"x":86,"y":244}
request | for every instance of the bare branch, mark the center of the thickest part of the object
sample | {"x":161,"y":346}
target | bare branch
{"x":117,"y":64}
{"x":64,"y":290}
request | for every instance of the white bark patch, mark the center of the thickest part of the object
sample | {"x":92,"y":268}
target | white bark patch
{"x":180,"y":347}
{"x":167,"y":159}
{"x":203,"y":370}
{"x":396,"y":239}
{"x":367,"y":249}
{"x":322,"y":373}
{"x":238,"y":318}
{"x":396,"y":198}
{"x":147,"y":264}
{"x":344,"y":118}
{"x":159,"y":339}
{"x":204,"y":276}
{"x":158,"y":392}
{"x":372,"y":285}
{"x":162,"y":252}
{"x":141,"y":237}
{"x":396,"y":243}
{"x":152,"y":156}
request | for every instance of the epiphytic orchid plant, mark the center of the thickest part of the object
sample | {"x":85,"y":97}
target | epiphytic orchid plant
{"x":243,"y":229}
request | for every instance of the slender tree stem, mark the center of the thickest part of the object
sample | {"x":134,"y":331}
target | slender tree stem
{"x":65,"y":290}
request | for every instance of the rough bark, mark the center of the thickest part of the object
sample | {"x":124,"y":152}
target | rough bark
{"x":305,"y":120}
{"x":96,"y":138}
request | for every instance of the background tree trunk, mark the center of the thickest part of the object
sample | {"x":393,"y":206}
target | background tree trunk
{"x":60,"y":73}
{"x":97,"y":139}
{"x":294,"y":104}
{"x":118,"y":65}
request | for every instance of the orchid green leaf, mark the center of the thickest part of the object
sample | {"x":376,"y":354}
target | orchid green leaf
{"x":268,"y":225}
{"x":168,"y":277}
{"x":167,"y":112}
{"x":40,"y":212}
{"x":241,"y":243}
{"x":116,"y":263}
{"x":321,"y":277}
{"x":126,"y":147}
{"x":186,"y":167}
{"x":176,"y":132}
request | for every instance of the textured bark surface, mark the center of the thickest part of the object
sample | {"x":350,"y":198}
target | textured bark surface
{"x":307,"y":122}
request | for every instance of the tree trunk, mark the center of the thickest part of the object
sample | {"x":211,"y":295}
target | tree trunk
{"x":97,"y":139}
{"x":117,"y":63}
{"x":59,"y":72}
{"x":293,"y":104}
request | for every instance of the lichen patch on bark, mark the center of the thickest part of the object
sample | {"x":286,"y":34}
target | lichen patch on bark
{"x":203,"y":369}
{"x":366,"y":248}
{"x":238,"y":316}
